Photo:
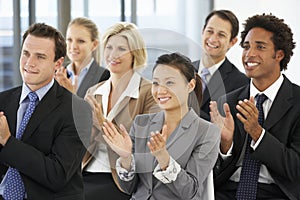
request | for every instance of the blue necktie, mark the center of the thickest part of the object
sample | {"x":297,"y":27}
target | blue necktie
{"x":247,"y":187}
{"x":203,"y":74}
{"x":14,"y":187}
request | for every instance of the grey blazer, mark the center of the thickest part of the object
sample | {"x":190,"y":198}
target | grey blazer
{"x":194,"y":145}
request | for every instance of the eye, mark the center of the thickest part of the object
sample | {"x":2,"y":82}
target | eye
{"x":169,"y":83}
{"x":109,"y":47}
{"x":245,"y":46}
{"x":81,"y":41}
{"x":155,"y":83}
{"x":260,"y":47}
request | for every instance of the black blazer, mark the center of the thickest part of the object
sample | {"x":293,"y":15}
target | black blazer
{"x":279,"y":149}
{"x":226,"y":79}
{"x":95,"y":75}
{"x":49,"y":154}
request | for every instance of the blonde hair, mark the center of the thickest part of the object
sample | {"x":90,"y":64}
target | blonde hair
{"x":92,"y":29}
{"x":135,"y":41}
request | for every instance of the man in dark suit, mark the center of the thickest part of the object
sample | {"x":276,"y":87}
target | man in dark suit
{"x":219,"y":34}
{"x":45,"y":153}
{"x":271,"y":127}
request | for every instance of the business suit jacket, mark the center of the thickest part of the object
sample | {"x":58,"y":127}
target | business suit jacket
{"x":125,"y":114}
{"x":49,"y":154}
{"x":279,"y":149}
{"x":194,"y":144}
{"x":226,"y":79}
{"x":95,"y":75}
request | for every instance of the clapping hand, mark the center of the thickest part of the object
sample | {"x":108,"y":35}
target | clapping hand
{"x":119,"y":141}
{"x":225,"y":124}
{"x":63,"y":80}
{"x":157,"y":146}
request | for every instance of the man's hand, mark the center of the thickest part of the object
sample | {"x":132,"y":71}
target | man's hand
{"x":4,"y":130}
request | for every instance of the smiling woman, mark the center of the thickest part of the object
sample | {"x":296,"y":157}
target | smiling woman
{"x":181,"y":148}
{"x":119,"y":99}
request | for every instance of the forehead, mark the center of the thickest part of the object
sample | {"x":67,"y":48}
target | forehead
{"x":40,"y":45}
{"x":117,"y":39}
{"x":78,"y":30}
{"x":218,"y":23}
{"x":165,"y":71}
{"x":258,"y":34}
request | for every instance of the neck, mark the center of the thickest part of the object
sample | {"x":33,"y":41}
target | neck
{"x":263,"y":84}
{"x":78,"y":66}
{"x":123,"y":79}
{"x":172,"y":118}
{"x":209,"y":61}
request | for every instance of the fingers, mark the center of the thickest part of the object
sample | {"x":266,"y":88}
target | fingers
{"x":214,"y":113}
{"x":109,"y":130}
{"x":123,"y":130}
{"x":227,"y":110}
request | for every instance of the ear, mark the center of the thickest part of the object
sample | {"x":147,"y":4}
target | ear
{"x":95,"y":44}
{"x":232,"y":42}
{"x":192,"y":85}
{"x":279,"y":55}
{"x":59,"y":63}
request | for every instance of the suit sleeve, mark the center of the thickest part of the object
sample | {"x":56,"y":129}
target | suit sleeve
{"x":53,"y":153}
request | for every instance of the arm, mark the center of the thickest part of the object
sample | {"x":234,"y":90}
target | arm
{"x":52,"y":155}
{"x":189,"y":182}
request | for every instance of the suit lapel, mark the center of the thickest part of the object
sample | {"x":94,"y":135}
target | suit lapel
{"x":215,"y":87}
{"x":88,"y":80}
{"x":43,"y":109}
{"x":277,"y":111}
{"x":180,"y":140}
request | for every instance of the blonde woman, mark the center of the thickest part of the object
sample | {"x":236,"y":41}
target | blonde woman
{"x":119,"y":99}
{"x":82,"y":39}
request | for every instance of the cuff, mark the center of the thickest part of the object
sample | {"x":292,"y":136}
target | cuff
{"x":123,"y":174}
{"x":170,"y":174}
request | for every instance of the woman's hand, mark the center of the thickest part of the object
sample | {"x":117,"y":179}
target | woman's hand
{"x":225,"y":124}
{"x":157,"y":146}
{"x":64,"y":81}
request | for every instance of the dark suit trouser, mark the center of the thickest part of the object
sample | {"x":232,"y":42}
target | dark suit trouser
{"x":264,"y":192}
{"x":101,"y":186}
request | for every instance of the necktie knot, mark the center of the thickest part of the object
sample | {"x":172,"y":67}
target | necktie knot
{"x":260,"y":99}
{"x":204,"y":73}
{"x":32,"y":97}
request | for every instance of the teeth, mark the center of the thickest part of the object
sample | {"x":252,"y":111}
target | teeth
{"x":212,"y":46}
{"x":163,"y":99}
{"x":252,"y":64}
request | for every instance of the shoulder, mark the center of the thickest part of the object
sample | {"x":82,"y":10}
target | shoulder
{"x":144,"y":118}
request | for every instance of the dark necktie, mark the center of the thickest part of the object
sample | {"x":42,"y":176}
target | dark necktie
{"x":203,"y":74}
{"x":250,"y":169}
{"x":14,"y":186}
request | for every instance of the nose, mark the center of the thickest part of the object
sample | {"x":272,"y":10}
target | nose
{"x":249,"y":52}
{"x":162,"y":89}
{"x":213,"y":37}
{"x":30,"y":62}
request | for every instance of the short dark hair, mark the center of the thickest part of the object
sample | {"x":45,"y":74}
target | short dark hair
{"x":186,"y":68}
{"x":282,"y":34}
{"x":228,"y":16}
{"x":45,"y":31}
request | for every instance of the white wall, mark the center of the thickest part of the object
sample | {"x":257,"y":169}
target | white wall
{"x":287,"y":10}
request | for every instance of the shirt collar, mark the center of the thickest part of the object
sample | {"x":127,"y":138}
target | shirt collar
{"x":213,"y":68}
{"x":132,"y":90}
{"x":86,"y":68}
{"x":270,"y":92}
{"x":40,"y":92}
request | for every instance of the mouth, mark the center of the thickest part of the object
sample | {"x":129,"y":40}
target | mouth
{"x":28,"y":71}
{"x":212,"y":46}
{"x":163,"y":100}
{"x":251,"y":64}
